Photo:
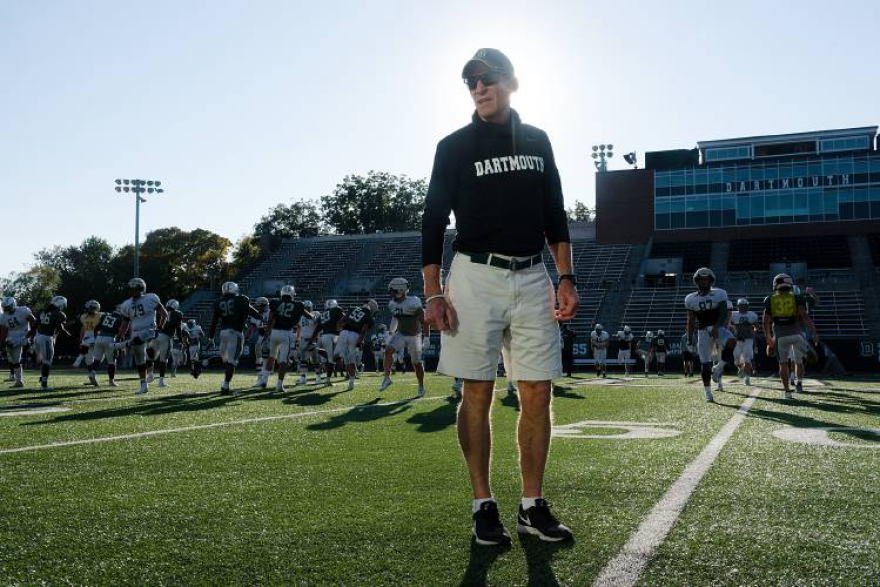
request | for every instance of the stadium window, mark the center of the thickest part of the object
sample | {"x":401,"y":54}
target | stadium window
{"x":661,"y":180}
{"x":875,"y":209}
{"x":844,"y":144}
{"x":677,"y":220}
{"x":771,"y":171}
{"x":781,"y":149}
{"x":662,"y":221}
{"x":697,"y":219}
{"x":742,"y":207}
{"x":801,"y":204}
{"x":815,"y":168}
{"x":815,"y":203}
{"x":847,"y":211}
{"x":757,"y":206}
{"x":861,"y":210}
{"x":829,"y":167}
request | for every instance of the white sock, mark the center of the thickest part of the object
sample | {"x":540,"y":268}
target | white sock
{"x":707,"y":389}
{"x":529,"y":502}
{"x":480,"y":502}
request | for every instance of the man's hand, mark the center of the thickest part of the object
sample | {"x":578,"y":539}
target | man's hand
{"x":714,"y":333}
{"x":568,"y":300}
{"x":440,"y":315}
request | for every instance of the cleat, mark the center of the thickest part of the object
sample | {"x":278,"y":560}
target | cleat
{"x":386,"y":383}
{"x":162,"y":382}
{"x":421,"y":392}
{"x":224,"y":390}
{"x":279,"y":387}
{"x":113,"y":384}
{"x":787,"y":395}
{"x":18,"y":383}
{"x":539,"y":521}
{"x":511,"y":388}
{"x":143,"y":389}
{"x":709,"y":397}
{"x":302,"y":381}
{"x":604,"y":375}
{"x":93,"y":380}
{"x":78,"y":361}
{"x":10,"y":379}
{"x":150,"y":378}
{"x":261,"y":381}
{"x":350,"y":385}
{"x":799,"y":387}
{"x":488,"y":529}
{"x":748,"y":380}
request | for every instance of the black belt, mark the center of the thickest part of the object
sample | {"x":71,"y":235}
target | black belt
{"x":495,"y":261}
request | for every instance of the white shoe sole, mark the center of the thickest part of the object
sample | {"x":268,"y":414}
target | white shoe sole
{"x":535,"y":532}
{"x":489,"y":542}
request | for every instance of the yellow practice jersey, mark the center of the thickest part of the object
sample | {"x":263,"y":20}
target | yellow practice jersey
{"x":90,"y":322}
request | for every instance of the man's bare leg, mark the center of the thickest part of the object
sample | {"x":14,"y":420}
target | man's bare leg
{"x":533,"y":434}
{"x":475,"y":434}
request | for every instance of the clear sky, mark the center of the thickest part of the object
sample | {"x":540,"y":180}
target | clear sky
{"x":237,"y":106}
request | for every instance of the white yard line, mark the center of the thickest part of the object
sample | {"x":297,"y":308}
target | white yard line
{"x":629,"y":564}
{"x":207,"y":426}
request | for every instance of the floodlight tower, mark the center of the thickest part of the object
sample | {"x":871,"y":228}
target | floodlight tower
{"x":632,"y":159}
{"x":138,"y":187}
{"x":600,"y":154}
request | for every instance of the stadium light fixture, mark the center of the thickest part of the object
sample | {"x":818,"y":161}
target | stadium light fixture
{"x":138,"y":187}
{"x":631,"y":159}
{"x":601,"y":153}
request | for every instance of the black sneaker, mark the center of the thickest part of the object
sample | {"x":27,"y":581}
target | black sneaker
{"x":488,"y":529}
{"x":799,"y":387}
{"x":540,"y":521}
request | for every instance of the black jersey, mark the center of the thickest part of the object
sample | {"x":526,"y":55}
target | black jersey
{"x":659,"y":344}
{"x":329,"y":320}
{"x":109,"y":323}
{"x":173,"y":323}
{"x":357,"y":319}
{"x":233,"y":311}
{"x":286,"y":313}
{"x":50,"y":321}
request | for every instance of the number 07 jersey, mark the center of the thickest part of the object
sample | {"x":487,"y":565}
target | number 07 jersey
{"x":706,"y":306}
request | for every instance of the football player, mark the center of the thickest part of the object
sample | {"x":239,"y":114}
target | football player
{"x":624,"y":350}
{"x":599,"y":340}
{"x":88,"y":322}
{"x":706,"y":316}
{"x":284,"y":316}
{"x":308,"y":350}
{"x":353,"y":327}
{"x":687,"y":355}
{"x":659,"y":349}
{"x":785,"y":317}
{"x":16,"y":323}
{"x":408,"y":331}
{"x":49,"y":323}
{"x":380,"y":339}
{"x":192,"y":338}
{"x":743,"y":322}
{"x":328,"y":329}
{"x":141,"y":314}
{"x":260,"y":326}
{"x":231,"y":312}
{"x":104,"y":349}
{"x":645,"y":350}
{"x":170,"y":330}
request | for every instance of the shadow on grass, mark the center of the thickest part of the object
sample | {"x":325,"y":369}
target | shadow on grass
{"x":437,"y":419}
{"x":539,"y":554}
{"x":149,"y":407}
{"x":360,"y":414}
{"x":510,"y":400}
{"x":482,"y":558}
{"x":312,"y":398}
{"x":563,"y":391}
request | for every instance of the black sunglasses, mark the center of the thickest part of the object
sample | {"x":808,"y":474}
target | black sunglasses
{"x":490,"y":78}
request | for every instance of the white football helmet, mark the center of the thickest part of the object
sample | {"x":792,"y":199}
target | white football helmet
{"x":661,"y":333}
{"x":398,"y":288}
{"x":783,"y":281}
{"x":620,"y":334}
{"x":191,"y":323}
{"x":9,"y":304}
{"x":261,"y":302}
{"x":288,"y":291}
{"x":59,"y":302}
{"x":330,"y":304}
{"x":626,"y":329}
{"x":598,"y":328}
{"x":704,"y":278}
{"x":230,"y":287}
{"x":649,"y":334}
{"x":372,"y":305}
{"x":742,"y":302}
{"x":173,"y":305}
{"x":137,"y":284}
{"x":93,"y":306}
{"x":309,"y":305}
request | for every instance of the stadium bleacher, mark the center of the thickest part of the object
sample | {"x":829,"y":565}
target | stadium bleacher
{"x":827,"y":252}
{"x":693,"y":254}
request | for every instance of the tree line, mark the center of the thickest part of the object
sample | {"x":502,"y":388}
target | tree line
{"x":176,"y":262}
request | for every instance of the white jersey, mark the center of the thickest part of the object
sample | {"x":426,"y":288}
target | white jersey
{"x":195,"y":333}
{"x":408,"y":313}
{"x":17,"y":322}
{"x":307,"y":326}
{"x":599,"y":340}
{"x":141,"y":311}
{"x":379,"y":340}
{"x":742,"y":323}
{"x":706,"y":307}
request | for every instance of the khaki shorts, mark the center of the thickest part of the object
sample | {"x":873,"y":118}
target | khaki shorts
{"x":744,"y":351}
{"x":44,"y":347}
{"x":104,"y":349}
{"x":327,"y":343}
{"x":706,"y":344}
{"x":496,"y":306}
{"x":346,"y":347}
{"x":231,"y":345}
{"x":413,"y":344}
{"x":600,"y":356}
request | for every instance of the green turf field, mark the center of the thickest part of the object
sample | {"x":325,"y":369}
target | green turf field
{"x":317,"y":486}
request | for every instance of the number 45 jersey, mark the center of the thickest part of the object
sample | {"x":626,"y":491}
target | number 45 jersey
{"x":706,"y":307}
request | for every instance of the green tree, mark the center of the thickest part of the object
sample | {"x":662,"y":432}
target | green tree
{"x":176,"y":262}
{"x":377,"y":202}
{"x":298,"y":220}
{"x":245,"y":254}
{"x":581,"y":213}
{"x":33,"y":287}
{"x":83,"y":270}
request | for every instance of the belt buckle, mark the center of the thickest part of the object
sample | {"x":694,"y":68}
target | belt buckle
{"x":514,"y":264}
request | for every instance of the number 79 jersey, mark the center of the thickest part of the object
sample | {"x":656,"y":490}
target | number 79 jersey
{"x":141,"y":311}
{"x":706,"y":307}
